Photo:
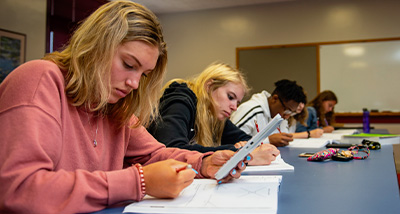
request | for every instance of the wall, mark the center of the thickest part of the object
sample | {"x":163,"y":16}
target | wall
{"x":196,"y":39}
{"x":27,"y":17}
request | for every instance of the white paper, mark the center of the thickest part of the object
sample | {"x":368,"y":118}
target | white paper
{"x":248,"y":194}
{"x":326,"y":138}
{"x":277,"y":165}
{"x":309,"y":143}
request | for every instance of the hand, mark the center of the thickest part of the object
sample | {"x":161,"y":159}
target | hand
{"x":328,"y":129}
{"x":316,"y":133}
{"x":240,"y":144}
{"x":163,"y":181}
{"x":211,"y":164}
{"x":264,"y":154}
{"x":280,"y":139}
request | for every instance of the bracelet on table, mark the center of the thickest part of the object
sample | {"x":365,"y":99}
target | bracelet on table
{"x":141,"y":178}
{"x":309,"y":134}
{"x":362,"y":149}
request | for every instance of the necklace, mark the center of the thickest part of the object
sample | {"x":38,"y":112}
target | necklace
{"x":97,"y":128}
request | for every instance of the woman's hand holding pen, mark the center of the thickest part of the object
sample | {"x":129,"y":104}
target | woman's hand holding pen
{"x":316,"y":133}
{"x":264,"y":154}
{"x":166,"y":179}
{"x":328,"y":129}
{"x":280,"y":139}
{"x":211,"y":164}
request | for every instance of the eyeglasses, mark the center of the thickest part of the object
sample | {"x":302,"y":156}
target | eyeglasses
{"x":287,"y":111}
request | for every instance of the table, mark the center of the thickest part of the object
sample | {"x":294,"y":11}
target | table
{"x":332,"y":187}
{"x":357,"y":186}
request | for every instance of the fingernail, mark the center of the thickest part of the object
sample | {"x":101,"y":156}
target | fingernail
{"x":248,"y":157}
{"x":219,"y":182}
{"x":195,"y":171}
{"x":233,"y":171}
{"x":242,"y":164}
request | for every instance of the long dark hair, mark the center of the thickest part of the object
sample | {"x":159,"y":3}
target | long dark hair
{"x":317,"y":104}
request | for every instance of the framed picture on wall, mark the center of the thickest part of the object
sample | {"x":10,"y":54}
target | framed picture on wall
{"x":12,"y":51}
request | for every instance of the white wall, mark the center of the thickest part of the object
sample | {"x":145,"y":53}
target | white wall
{"x":29,"y":18}
{"x":195,"y":39}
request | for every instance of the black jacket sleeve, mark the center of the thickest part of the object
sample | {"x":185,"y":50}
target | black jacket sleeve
{"x":232,"y":134}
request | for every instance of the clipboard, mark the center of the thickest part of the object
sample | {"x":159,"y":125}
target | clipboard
{"x":253,"y":143}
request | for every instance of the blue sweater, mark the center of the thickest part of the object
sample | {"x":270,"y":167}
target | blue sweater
{"x":312,"y":121}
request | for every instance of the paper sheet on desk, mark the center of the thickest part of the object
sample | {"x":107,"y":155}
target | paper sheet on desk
{"x":326,"y":138}
{"x":278,"y":165}
{"x":248,"y":194}
{"x":309,"y":143}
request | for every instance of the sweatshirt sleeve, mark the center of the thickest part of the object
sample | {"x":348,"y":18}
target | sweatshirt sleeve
{"x":312,"y":121}
{"x":232,"y":134}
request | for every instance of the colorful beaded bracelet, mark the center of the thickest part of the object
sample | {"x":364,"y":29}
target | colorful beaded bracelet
{"x":141,"y":177}
{"x":356,"y":149}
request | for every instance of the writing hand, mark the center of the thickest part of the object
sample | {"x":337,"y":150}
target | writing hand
{"x":280,"y":139}
{"x":264,"y":154}
{"x":316,"y":133}
{"x":163,"y":181}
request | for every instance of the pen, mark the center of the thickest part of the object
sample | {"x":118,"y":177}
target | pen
{"x":258,"y":130}
{"x":326,"y":122}
{"x":189,"y":166}
{"x":255,"y":122}
{"x":279,"y":130}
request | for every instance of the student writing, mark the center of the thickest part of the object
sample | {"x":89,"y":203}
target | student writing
{"x":320,"y":113}
{"x":262,"y":107}
{"x":194,"y":113}
{"x":73,"y":124}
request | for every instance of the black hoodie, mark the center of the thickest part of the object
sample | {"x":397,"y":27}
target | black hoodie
{"x":175,"y":127}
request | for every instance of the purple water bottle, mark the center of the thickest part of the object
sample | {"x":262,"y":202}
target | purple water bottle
{"x":365,"y":120}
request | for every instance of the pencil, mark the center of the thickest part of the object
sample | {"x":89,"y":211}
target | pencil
{"x":189,"y":166}
{"x":258,"y":130}
{"x":255,"y":122}
{"x":326,"y":122}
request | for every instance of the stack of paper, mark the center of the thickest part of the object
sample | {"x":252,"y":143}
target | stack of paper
{"x":278,"y":165}
{"x":383,"y":139}
{"x":248,"y":194}
{"x":326,"y":138}
{"x":310,"y":143}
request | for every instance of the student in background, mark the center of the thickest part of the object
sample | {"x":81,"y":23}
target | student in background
{"x":291,"y":123}
{"x":194,"y":113}
{"x":320,"y":113}
{"x":257,"y":112}
{"x":73,"y":137}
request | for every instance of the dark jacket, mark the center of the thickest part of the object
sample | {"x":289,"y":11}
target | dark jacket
{"x":175,"y":127}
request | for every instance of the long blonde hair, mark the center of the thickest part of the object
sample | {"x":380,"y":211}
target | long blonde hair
{"x":207,"y":126}
{"x":87,"y":59}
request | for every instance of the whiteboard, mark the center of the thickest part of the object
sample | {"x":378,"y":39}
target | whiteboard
{"x":362,"y":75}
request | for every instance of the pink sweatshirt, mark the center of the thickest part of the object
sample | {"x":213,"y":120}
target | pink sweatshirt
{"x":48,"y":163}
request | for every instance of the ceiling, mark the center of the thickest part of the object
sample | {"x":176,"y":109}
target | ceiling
{"x":174,"y":6}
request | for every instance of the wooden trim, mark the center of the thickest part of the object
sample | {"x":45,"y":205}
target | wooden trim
{"x":318,"y":44}
{"x":318,"y":71}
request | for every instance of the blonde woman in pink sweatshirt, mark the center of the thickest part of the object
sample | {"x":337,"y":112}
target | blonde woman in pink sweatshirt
{"x":73,"y":123}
